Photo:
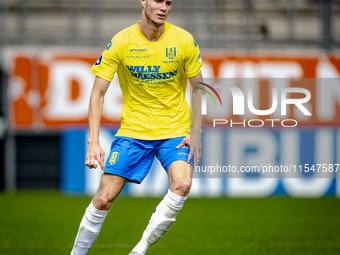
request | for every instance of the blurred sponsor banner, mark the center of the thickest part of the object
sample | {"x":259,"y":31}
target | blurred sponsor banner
{"x":313,"y":153}
{"x":49,"y":88}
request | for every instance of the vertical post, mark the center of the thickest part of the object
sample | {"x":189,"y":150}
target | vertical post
{"x":9,"y":142}
{"x":3,"y":103}
{"x":247,"y":7}
{"x":3,"y":127}
{"x":21,"y":20}
{"x":96,"y":18}
{"x":2,"y":165}
{"x":10,"y":163}
{"x":3,"y":20}
{"x":221,"y":21}
{"x":74,"y":19}
{"x":209,"y":21}
{"x":191,"y":16}
{"x":326,"y":19}
{"x":291,"y":15}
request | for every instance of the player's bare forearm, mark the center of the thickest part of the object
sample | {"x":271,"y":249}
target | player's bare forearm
{"x":96,"y":108}
{"x":197,"y":103}
{"x":94,"y":151}
{"x":194,"y":139}
{"x":197,"y":117}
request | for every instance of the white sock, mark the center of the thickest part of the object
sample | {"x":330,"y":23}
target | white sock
{"x":88,"y":230}
{"x":161,"y":220}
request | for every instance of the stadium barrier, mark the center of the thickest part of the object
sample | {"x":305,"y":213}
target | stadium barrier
{"x":308,"y":159}
{"x":49,"y":89}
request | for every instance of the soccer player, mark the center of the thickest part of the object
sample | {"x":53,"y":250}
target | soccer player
{"x":153,"y":60}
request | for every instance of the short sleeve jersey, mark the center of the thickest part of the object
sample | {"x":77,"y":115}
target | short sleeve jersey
{"x":153,"y":80}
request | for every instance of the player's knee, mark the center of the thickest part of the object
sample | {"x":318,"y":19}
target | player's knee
{"x":182,"y":188}
{"x":102,"y":203}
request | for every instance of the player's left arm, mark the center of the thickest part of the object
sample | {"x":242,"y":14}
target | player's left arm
{"x":194,"y":140}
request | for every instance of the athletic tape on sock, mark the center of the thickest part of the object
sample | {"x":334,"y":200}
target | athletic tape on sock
{"x":95,"y":216}
{"x":173,"y":201}
{"x":163,"y":218}
{"x":88,"y":230}
{"x":160,"y":229}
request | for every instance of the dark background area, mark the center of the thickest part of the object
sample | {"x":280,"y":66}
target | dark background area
{"x":37,"y":161}
{"x":37,"y":157}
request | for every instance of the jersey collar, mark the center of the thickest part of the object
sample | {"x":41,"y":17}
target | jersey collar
{"x":166,"y":26}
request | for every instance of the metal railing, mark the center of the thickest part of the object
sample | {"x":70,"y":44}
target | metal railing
{"x":223,"y":24}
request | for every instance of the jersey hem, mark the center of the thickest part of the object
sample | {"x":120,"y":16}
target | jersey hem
{"x":116,"y":172}
{"x":101,"y":75}
{"x":149,"y":138}
{"x":190,"y":76}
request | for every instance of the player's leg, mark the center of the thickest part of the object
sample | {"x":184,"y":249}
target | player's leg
{"x":165,"y":213}
{"x":109,"y":189}
{"x":129,"y":160}
{"x":180,"y":178}
{"x":180,"y":174}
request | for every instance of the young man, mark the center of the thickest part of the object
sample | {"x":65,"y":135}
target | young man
{"x":153,"y":60}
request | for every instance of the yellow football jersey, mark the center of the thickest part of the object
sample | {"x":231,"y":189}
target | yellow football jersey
{"x":153,"y":79}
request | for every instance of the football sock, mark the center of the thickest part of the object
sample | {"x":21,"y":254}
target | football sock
{"x":88,"y":230}
{"x":161,"y":220}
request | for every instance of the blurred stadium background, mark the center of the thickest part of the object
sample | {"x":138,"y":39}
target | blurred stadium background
{"x":46,"y":50}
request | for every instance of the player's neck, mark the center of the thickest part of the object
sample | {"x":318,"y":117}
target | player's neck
{"x":150,"y":31}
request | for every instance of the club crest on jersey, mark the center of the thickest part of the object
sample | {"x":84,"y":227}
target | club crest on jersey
{"x":170,"y":52}
{"x":114,"y":157}
{"x":99,"y":61}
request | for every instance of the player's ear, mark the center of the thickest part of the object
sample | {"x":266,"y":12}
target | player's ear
{"x":142,"y":2}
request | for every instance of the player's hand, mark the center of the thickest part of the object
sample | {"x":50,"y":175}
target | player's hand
{"x":185,"y":141}
{"x":195,"y":146}
{"x":94,"y":152}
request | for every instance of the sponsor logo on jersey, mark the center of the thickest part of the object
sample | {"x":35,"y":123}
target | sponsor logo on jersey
{"x":185,"y":146}
{"x":170,"y":61}
{"x":109,"y":45}
{"x":150,"y":73}
{"x":99,"y":61}
{"x":199,"y":59}
{"x":114,"y":157}
{"x":195,"y":42}
{"x":170,"y":52}
{"x":181,"y":153}
{"x":138,"y":50}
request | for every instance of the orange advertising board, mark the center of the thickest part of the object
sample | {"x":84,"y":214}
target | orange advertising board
{"x":49,"y":88}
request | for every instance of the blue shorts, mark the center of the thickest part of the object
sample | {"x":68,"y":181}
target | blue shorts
{"x":132,"y":158}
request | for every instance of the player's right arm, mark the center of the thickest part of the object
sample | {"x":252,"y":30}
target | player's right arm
{"x":94,"y":150}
